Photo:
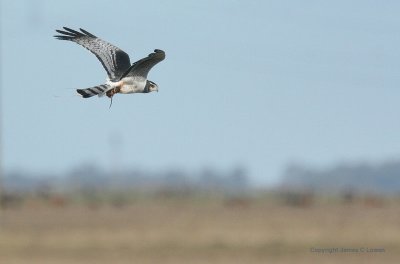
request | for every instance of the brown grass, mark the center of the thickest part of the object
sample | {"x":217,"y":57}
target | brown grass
{"x":178,"y":231}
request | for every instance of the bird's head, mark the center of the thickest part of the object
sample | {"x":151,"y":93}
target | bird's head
{"x":151,"y":87}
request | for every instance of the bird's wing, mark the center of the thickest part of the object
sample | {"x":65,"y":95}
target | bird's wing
{"x":142,"y":67}
{"x":114,"y":60}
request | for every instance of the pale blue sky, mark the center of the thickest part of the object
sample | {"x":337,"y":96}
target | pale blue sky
{"x":257,"y":83}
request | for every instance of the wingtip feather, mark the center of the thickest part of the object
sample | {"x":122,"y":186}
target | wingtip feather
{"x":77,"y":33}
{"x":62,"y":37}
{"x":87,"y":33}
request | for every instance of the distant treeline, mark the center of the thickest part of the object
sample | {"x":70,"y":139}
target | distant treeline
{"x":89,"y":177}
{"x":381,"y":178}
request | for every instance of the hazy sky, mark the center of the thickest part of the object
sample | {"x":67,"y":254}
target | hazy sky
{"x":253,"y":83}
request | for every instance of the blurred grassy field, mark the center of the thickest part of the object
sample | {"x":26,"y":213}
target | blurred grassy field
{"x":187,"y":231}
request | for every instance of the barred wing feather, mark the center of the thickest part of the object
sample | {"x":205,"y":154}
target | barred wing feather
{"x":114,"y":60}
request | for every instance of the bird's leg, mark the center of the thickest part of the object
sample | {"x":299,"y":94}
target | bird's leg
{"x":111,"y":101}
{"x":110,"y":93}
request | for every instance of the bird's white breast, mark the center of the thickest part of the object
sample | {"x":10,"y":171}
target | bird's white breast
{"x":130,"y":85}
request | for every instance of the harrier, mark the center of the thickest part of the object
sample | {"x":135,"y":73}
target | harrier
{"x":123,"y":77}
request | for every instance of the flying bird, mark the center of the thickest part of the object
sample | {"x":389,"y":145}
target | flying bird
{"x":123,"y":77}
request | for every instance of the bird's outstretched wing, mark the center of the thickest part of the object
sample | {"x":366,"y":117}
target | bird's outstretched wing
{"x":114,"y":60}
{"x":142,"y":67}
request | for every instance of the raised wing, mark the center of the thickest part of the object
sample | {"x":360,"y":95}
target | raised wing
{"x":142,"y":67}
{"x":114,"y":60}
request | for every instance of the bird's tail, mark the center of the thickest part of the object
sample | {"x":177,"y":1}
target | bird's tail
{"x":95,"y":90}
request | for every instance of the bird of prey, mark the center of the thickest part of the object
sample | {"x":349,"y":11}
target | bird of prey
{"x":123,"y":77}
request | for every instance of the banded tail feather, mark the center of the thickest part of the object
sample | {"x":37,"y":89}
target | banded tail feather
{"x":95,"y":90}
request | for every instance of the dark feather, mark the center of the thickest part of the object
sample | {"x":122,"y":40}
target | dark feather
{"x":66,"y":33}
{"x":87,"y":33}
{"x":143,"y":66}
{"x":77,"y":33}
